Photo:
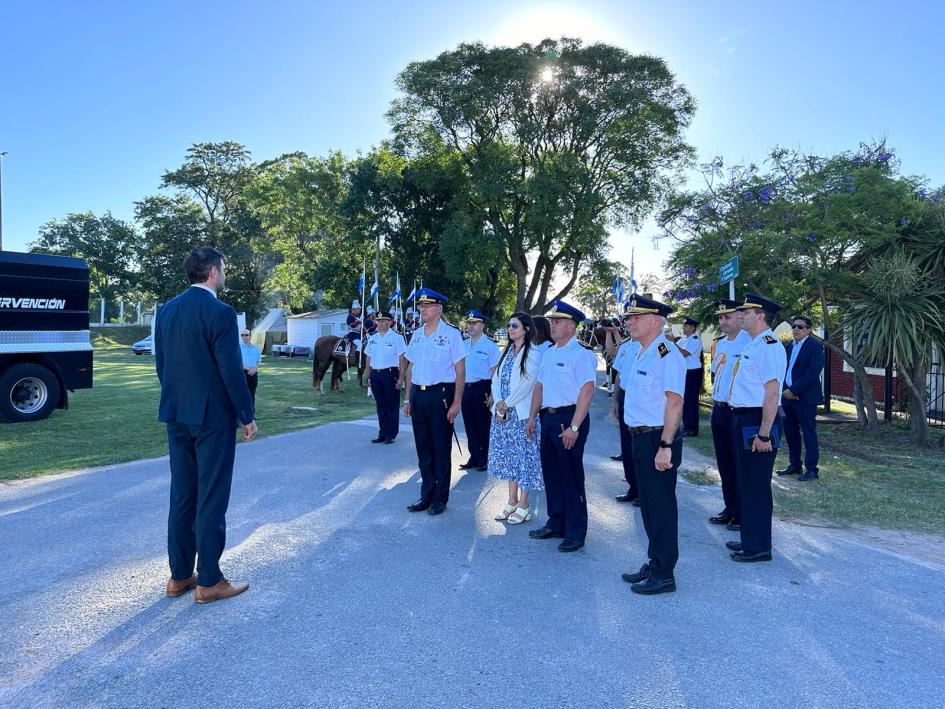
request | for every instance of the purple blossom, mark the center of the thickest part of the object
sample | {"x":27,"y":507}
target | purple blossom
{"x":923,"y":194}
{"x":711,"y":287}
{"x":690,"y":219}
{"x":937,"y":198}
{"x":884,"y":157}
{"x":748,"y":196}
{"x":679,"y":296}
{"x":696,"y":288}
{"x":811,"y":236}
{"x":689,"y":272}
{"x":905,"y":221}
{"x":787,"y":218}
{"x":765,"y":195}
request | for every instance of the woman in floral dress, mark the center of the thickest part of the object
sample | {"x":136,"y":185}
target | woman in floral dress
{"x":512,"y":455}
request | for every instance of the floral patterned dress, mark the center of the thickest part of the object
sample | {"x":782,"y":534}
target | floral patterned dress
{"x":512,"y":456}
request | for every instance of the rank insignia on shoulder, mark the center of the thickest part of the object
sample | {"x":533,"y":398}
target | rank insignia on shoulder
{"x":663,"y":350}
{"x":770,"y":340}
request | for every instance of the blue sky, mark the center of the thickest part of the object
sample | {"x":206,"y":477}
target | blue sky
{"x":98,"y":99}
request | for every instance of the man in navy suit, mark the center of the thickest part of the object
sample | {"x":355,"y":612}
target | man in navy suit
{"x":802,"y":394}
{"x":204,"y":398}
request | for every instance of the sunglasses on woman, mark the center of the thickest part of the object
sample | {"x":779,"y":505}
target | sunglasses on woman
{"x":513,"y":326}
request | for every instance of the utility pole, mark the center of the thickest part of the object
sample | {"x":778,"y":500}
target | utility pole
{"x":2,"y":155}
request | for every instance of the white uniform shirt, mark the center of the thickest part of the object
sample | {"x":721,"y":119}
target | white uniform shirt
{"x":652,"y":372}
{"x":762,"y":360}
{"x":625,"y":353}
{"x":693,"y":345}
{"x":727,"y":353}
{"x":385,"y":350}
{"x":433,"y":357}
{"x":564,"y":370}
{"x":480,"y":359}
{"x":544,"y":346}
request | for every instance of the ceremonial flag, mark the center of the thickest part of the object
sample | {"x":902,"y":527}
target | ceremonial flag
{"x":633,"y":280}
{"x":613,"y":288}
{"x":373,"y":290}
{"x":620,"y":292}
{"x":361,"y":281}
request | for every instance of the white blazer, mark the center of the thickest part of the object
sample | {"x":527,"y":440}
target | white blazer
{"x":520,"y":388}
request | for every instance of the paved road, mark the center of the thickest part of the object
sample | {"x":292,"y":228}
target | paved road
{"x":355,"y":602}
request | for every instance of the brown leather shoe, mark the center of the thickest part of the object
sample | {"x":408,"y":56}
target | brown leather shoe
{"x":177,"y":588}
{"x":224,"y":589}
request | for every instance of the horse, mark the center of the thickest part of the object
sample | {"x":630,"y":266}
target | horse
{"x":325,"y":353}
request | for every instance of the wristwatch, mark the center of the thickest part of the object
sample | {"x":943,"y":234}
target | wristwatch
{"x":664,"y":444}
{"x":574,"y":428}
{"x":763,"y":439}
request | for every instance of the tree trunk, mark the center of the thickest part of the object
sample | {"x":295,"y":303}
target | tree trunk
{"x":918,"y":416}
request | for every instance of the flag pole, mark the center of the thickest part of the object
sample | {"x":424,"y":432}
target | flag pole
{"x":363,"y":308}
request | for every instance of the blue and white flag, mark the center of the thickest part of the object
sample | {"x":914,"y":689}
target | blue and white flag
{"x":361,"y":282}
{"x":392,"y":298}
{"x":373,"y":289}
{"x":613,"y":288}
{"x":620,"y":292}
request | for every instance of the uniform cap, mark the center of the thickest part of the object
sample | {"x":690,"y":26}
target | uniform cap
{"x":753,"y":300}
{"x":641,"y":305}
{"x":428,"y":296}
{"x":560,"y":309}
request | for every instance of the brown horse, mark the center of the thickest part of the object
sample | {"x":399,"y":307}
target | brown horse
{"x":324,"y":356}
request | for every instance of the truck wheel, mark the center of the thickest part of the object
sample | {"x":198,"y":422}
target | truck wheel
{"x":28,"y":392}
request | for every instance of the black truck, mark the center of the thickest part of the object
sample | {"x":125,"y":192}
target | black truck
{"x":45,"y":350}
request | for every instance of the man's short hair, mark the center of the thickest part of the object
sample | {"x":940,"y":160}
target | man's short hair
{"x":197,"y":263}
{"x":804,"y":319}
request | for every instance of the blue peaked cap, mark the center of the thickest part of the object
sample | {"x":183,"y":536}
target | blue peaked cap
{"x":560,"y":309}
{"x":428,"y":295}
{"x":476,"y":316}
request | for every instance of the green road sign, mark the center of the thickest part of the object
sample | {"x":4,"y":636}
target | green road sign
{"x":729,"y":270}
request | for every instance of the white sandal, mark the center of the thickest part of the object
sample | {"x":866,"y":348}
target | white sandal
{"x":521,"y":514}
{"x":504,"y":514}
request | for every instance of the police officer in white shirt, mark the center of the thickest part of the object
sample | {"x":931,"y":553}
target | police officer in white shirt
{"x":384,"y":368}
{"x":562,"y":396}
{"x":436,"y":374}
{"x":728,"y":350}
{"x":626,"y":352}
{"x":482,"y":356}
{"x":691,"y":346}
{"x":656,"y":381}
{"x":754,"y":395}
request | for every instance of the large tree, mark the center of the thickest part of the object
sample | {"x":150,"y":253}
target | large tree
{"x":556,"y":141}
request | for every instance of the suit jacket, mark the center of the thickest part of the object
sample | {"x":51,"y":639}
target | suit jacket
{"x":805,"y":377}
{"x":520,"y":388}
{"x":197,"y":355}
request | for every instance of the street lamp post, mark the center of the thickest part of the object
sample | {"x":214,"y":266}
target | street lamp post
{"x":2,"y":155}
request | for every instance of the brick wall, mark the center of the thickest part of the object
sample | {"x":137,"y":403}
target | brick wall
{"x":841,"y":382}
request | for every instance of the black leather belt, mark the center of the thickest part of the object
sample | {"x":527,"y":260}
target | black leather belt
{"x":747,"y":409}
{"x":426,"y":387}
{"x":640,"y":430}
{"x":558,"y":409}
{"x":388,"y":369}
{"x":722,"y":404}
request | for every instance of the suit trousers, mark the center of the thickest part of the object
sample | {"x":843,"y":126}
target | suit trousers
{"x":658,"y":501}
{"x":563,"y":472}
{"x":626,"y":447}
{"x":753,"y":480}
{"x":433,"y":436}
{"x":252,"y":381}
{"x":801,"y":419}
{"x":477,"y":418}
{"x":387,"y":400}
{"x":690,"y":415}
{"x":201,"y":476}
{"x":725,"y":457}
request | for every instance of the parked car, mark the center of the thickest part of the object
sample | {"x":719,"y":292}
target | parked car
{"x":143,"y":347}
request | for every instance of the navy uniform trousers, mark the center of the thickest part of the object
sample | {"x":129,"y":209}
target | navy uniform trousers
{"x":753,"y":479}
{"x":626,"y":449}
{"x":477,"y":418}
{"x":658,"y":501}
{"x":196,"y":525}
{"x":690,"y":414}
{"x":387,"y":399}
{"x":433,"y":436}
{"x":801,"y":419}
{"x":563,"y":472}
{"x":725,"y":457}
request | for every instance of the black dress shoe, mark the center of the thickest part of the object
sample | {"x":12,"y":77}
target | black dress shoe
{"x":389,"y":441}
{"x":734,"y":526}
{"x":418,"y":506}
{"x":626,"y":497}
{"x":721,"y":518}
{"x":570,"y":545}
{"x":808,"y":475}
{"x":379,"y":439}
{"x":466,"y":465}
{"x":790,"y":470}
{"x":749,"y":556}
{"x":618,"y":458}
{"x":733,"y":546}
{"x":636,"y":502}
{"x":544,"y":533}
{"x":653,"y":585}
{"x":437,"y":508}
{"x":642,"y":575}
{"x":482,"y":468}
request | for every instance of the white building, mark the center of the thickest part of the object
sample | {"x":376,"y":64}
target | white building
{"x":302,"y":330}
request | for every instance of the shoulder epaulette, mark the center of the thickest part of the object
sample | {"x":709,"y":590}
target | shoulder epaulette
{"x":663,"y":350}
{"x":770,"y":340}
{"x":720,"y":337}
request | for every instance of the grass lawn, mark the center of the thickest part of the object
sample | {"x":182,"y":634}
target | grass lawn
{"x":116,"y":420}
{"x":880,"y":481}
